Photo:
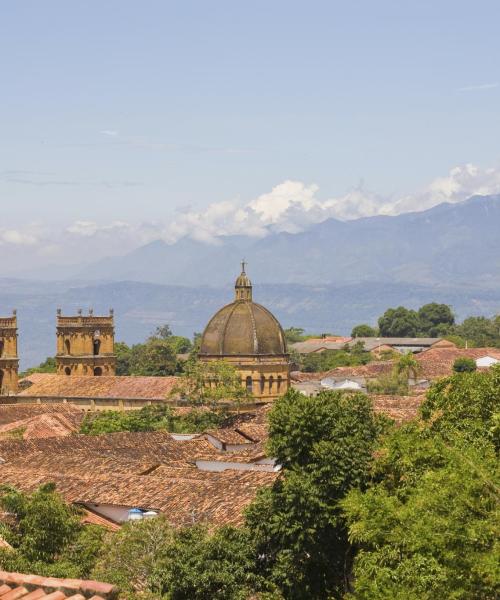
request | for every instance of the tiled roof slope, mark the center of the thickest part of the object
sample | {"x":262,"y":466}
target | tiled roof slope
{"x":399,"y":408}
{"x":40,"y":426}
{"x":438,"y":362}
{"x":138,"y":388}
{"x":145,"y":470}
{"x":435,"y":363}
{"x":17,"y":586}
{"x":18,"y":412}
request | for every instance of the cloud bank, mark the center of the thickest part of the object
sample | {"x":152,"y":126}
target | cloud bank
{"x":291,"y":206}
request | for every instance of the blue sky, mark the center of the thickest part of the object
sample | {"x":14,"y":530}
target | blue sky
{"x":136,"y":111}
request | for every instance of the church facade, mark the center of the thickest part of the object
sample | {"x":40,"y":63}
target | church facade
{"x":248,"y":336}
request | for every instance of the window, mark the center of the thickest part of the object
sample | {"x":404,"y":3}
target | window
{"x":262,"y":384}
{"x":98,"y":371}
{"x":67,"y":346}
{"x":67,"y":371}
{"x":1,"y":379}
{"x":97,"y":347}
{"x":279,"y":382}
{"x":271,"y":383}
{"x":249,"y":384}
{"x":1,"y":348}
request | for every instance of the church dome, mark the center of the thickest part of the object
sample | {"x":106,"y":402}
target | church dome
{"x":243,"y":328}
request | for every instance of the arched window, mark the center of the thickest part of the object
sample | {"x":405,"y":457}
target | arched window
{"x":279,"y":383}
{"x":98,"y":371}
{"x":249,"y":384}
{"x":271,"y":383}
{"x":262,"y":384}
{"x":67,"y":371}
{"x":1,"y":348}
{"x":97,"y":347}
{"x":67,"y":346}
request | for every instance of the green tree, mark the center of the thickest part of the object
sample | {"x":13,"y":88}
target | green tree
{"x":123,"y":354}
{"x":219,"y":565}
{"x":186,"y":564}
{"x":465,"y":404}
{"x":134,"y":557}
{"x":294,"y":334}
{"x":480,"y":331}
{"x":210,"y":384}
{"x":325,"y":445}
{"x":47,"y":366}
{"x":435,"y":319}
{"x":399,"y":322}
{"x":364,"y":331}
{"x":428,"y":525}
{"x":154,"y":358}
{"x":464,"y":364}
{"x":151,"y":418}
{"x":428,"y":529}
{"x":46,"y":534}
{"x":407,"y":366}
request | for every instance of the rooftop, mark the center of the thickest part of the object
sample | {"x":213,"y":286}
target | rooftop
{"x":45,"y":385}
{"x":17,"y":586}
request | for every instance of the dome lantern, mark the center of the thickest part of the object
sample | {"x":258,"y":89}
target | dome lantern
{"x":243,"y":285}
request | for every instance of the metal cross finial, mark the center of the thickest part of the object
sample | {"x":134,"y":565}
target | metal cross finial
{"x":243,"y":264}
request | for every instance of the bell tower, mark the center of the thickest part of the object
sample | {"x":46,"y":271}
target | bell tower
{"x":85,"y":344}
{"x":9,"y":361}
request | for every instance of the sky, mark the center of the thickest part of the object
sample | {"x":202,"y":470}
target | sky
{"x":123,"y":121}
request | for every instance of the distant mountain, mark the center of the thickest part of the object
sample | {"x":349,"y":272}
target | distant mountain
{"x":328,"y":278}
{"x":450,"y":245}
{"x":140,"y":307}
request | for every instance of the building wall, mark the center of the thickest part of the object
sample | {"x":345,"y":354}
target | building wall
{"x":85,"y":345}
{"x":9,"y":362}
{"x":267,"y":378}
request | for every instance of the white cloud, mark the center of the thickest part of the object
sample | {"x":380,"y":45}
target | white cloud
{"x":290,"y":206}
{"x":17,"y":237}
{"x":478,"y":88}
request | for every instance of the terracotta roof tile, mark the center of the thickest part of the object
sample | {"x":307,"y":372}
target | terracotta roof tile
{"x":438,"y":362}
{"x":14,"y":586}
{"x":146,"y":470}
{"x":140,"y":388}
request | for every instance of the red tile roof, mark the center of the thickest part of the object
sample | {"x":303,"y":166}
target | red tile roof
{"x":438,"y":362}
{"x":17,"y":586}
{"x":61,"y":386}
{"x":399,"y":408}
{"x":146,"y":470}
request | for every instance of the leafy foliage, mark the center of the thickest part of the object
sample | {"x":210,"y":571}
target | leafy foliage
{"x":435,"y":319}
{"x":47,"y":366}
{"x":427,"y":527}
{"x":330,"y":359}
{"x":46,"y":534}
{"x":464,"y":364}
{"x":186,"y":564}
{"x":151,"y":418}
{"x":210,"y":384}
{"x":325,"y":445}
{"x":157,"y":356}
{"x":399,"y":322}
{"x":364,"y":331}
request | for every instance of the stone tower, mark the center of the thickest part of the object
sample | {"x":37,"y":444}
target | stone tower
{"x":85,"y":344}
{"x":9,"y":362}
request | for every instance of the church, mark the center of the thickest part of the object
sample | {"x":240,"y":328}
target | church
{"x":249,"y":337}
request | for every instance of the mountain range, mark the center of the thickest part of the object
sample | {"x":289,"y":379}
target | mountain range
{"x":450,"y":244}
{"x":328,"y":278}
